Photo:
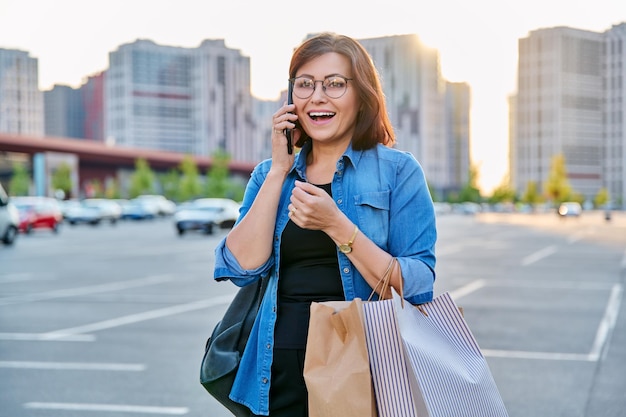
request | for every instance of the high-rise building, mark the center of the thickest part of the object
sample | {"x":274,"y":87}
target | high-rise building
{"x":188,"y":100}
{"x":457,"y":123}
{"x":64,"y":112}
{"x":429,"y":115}
{"x":614,"y":66}
{"x":21,"y":102}
{"x":559,"y":109}
{"x":93,"y":99}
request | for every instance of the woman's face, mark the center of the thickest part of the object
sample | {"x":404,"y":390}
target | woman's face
{"x":327,"y":119}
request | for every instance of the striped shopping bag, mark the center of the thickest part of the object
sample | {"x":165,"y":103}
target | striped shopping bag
{"x":426,"y":363}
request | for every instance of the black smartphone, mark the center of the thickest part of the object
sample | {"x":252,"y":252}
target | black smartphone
{"x":288,"y":131}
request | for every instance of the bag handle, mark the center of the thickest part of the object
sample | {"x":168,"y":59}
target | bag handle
{"x":384,"y":282}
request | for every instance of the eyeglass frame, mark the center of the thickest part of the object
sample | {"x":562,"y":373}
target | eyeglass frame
{"x":293,"y":84}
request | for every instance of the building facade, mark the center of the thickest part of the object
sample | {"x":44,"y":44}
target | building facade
{"x":21,"y":102}
{"x":64,"y":112}
{"x":93,"y":99}
{"x":187,"y":100}
{"x":430,"y":116}
{"x":614,"y":157}
{"x":569,"y":102}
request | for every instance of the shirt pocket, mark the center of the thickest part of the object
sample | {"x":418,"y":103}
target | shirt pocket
{"x":373,"y":215}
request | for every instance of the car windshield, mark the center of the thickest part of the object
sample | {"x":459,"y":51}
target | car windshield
{"x":207,"y":208}
{"x":24,"y":206}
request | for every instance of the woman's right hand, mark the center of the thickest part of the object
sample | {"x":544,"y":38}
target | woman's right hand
{"x":283,"y":119}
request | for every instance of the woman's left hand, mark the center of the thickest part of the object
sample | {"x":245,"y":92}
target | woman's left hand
{"x":312,"y":208}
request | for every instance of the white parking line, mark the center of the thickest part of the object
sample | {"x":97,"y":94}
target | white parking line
{"x":534,"y":257}
{"x":92,"y":289}
{"x":73,"y":366}
{"x":117,"y":408}
{"x":549,"y":356}
{"x":22,"y":276}
{"x":37,"y":337}
{"x":605,"y":330}
{"x":135,"y":318}
{"x":603,"y":334}
{"x":467,"y":289}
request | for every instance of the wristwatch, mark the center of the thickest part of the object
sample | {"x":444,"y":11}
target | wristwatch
{"x":347,"y":247}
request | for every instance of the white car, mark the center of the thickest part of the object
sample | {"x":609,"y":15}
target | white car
{"x":205,"y":214}
{"x":163,"y":206}
{"x":9,"y":219}
{"x":570,"y":209}
{"x":109,"y":210}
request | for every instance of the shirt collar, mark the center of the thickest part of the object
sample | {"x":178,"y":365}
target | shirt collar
{"x":299,"y":164}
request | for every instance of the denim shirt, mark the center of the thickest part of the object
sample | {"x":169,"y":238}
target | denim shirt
{"x":384,"y":192}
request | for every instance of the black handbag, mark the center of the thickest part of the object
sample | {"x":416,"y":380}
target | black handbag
{"x":225,"y":346}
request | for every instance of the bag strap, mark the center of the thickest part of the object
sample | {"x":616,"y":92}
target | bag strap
{"x":382,"y":286}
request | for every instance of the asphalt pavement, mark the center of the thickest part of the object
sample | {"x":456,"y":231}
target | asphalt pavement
{"x":110,"y":321}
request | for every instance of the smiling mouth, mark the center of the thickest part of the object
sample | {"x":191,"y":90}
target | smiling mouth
{"x":321,"y":115}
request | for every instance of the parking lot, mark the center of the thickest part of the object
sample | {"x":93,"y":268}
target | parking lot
{"x":111,"y":321}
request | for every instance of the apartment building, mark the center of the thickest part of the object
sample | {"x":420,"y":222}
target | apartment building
{"x":614,"y":156}
{"x":64,"y":112}
{"x":430,"y":115}
{"x":21,"y":102}
{"x":570,"y":102}
{"x":188,"y":100}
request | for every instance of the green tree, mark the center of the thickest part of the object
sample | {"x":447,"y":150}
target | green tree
{"x":217,"y":176}
{"x":470,"y":191}
{"x":62,"y":179}
{"x":531,"y":194}
{"x":142,"y":180}
{"x":170,"y":182}
{"x":557,"y":187}
{"x":218,"y":180}
{"x":503,"y":193}
{"x":20,"y":180}
{"x":190,"y":185}
{"x":602,"y":198}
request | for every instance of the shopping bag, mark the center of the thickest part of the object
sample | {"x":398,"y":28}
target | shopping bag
{"x":395,"y":389}
{"x":336,"y":365}
{"x":449,"y":373}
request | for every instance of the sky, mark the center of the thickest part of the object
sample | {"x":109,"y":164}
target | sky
{"x":477,"y":41}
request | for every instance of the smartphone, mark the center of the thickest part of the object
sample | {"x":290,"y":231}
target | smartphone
{"x":288,"y":131}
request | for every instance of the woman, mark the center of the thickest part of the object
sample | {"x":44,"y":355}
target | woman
{"x":324,"y":223}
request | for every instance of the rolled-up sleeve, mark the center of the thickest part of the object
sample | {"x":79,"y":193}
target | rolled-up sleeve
{"x":227,"y":267}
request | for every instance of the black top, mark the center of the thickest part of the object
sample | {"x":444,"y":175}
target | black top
{"x":309,"y":271}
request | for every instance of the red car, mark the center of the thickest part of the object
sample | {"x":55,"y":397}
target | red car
{"x":38,"y":213}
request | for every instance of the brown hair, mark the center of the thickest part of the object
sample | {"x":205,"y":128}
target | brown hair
{"x":373,"y":125}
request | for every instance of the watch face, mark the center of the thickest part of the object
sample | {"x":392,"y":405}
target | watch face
{"x":345,"y":248}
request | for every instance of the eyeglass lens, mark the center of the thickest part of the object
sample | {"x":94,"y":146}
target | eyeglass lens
{"x":333,"y":87}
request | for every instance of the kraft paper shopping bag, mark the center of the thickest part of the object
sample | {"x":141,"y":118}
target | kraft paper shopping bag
{"x":336,"y":365}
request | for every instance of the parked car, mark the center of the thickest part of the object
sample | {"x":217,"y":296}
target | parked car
{"x":110,"y":210}
{"x":570,"y":209}
{"x":76,"y":212}
{"x":9,"y":219}
{"x":163,"y":206}
{"x":38,"y":213}
{"x":206,"y":214}
{"x":137,"y":210}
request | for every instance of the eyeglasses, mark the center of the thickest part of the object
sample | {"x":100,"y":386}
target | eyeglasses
{"x":334,"y":86}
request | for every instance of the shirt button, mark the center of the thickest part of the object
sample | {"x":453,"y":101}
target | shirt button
{"x":339,"y":201}
{"x":264,"y":380}
{"x":269,"y":346}
{"x":346,"y":270}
